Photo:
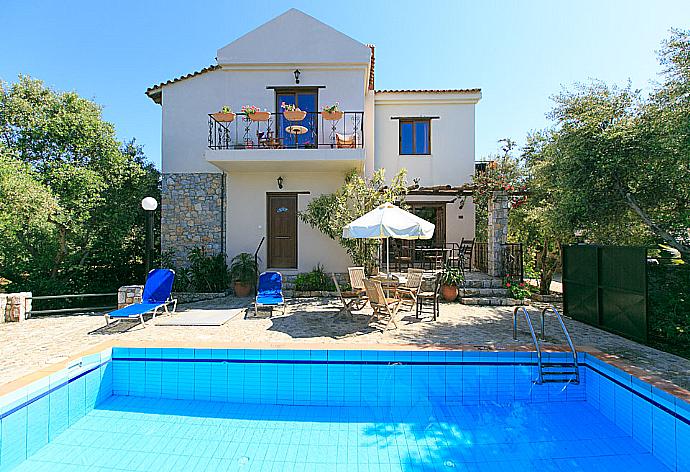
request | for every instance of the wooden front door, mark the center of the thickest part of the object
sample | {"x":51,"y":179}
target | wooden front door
{"x":282,"y":230}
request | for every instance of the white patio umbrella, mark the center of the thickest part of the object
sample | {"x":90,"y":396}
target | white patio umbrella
{"x":389,"y":221}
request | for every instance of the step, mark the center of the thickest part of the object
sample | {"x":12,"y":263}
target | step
{"x":572,"y":381}
{"x":485,"y":292}
{"x":491,"y":301}
{"x":484,"y":283}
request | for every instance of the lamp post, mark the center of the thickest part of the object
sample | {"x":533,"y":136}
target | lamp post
{"x":149,"y":204}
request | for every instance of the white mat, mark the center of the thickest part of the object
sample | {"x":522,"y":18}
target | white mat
{"x":200,"y":317}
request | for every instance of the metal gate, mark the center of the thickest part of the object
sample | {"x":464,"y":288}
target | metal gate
{"x":606,"y":286}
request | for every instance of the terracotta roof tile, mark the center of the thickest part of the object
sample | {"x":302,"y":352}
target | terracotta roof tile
{"x":472,"y":90}
{"x":154,"y":91}
{"x":371,"y":68}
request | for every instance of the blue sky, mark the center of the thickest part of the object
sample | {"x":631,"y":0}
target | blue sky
{"x":518,"y":52}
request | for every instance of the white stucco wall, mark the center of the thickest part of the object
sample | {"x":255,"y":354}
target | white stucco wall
{"x":186,"y":104}
{"x":452,"y":136}
{"x":246,"y":217}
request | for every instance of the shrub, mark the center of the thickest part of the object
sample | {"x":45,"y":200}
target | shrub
{"x":517,"y":288}
{"x":316,"y":280}
{"x":668,"y":289}
{"x":205,"y":274}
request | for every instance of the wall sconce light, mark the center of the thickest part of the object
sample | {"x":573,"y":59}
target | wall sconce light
{"x":297,"y":72}
{"x":280,"y":182}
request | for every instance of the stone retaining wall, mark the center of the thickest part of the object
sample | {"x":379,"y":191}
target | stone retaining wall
{"x":191,"y":214}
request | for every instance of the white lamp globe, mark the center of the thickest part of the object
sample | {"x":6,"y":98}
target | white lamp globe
{"x":149,"y":204}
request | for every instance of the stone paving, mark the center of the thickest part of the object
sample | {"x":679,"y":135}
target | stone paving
{"x":31,"y":345}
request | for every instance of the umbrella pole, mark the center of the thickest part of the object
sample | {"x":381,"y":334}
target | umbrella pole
{"x":388,"y":267}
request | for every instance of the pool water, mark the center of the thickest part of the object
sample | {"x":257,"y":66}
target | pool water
{"x":161,"y":409}
{"x":147,"y":434}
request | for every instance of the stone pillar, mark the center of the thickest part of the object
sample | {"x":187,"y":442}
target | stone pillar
{"x":129,"y":294}
{"x":499,"y":204}
{"x":15,"y":306}
{"x":192,"y":213}
{"x":3,"y":307}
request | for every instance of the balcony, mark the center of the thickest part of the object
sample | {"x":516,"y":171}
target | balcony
{"x":277,"y":144}
{"x":313,"y":132}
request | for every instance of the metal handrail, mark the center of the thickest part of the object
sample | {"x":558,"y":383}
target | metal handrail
{"x":534,"y":337}
{"x":256,"y":261}
{"x":89,"y":309}
{"x":565,"y":331}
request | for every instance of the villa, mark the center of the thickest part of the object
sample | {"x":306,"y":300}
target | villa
{"x":230,"y":180}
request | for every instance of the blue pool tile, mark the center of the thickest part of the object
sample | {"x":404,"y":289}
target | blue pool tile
{"x":13,"y":446}
{"x":664,"y":437}
{"x":136,"y":352}
{"x":623,"y":409}
{"x":153,"y":352}
{"x":76,"y":400}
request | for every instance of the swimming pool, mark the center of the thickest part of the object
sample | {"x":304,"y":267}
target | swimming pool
{"x":365,"y":410}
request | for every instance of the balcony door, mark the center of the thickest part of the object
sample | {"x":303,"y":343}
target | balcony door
{"x":306,"y":100}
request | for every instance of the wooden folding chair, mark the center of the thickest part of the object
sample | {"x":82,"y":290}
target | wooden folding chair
{"x":356,"y":275}
{"x":382,"y":306}
{"x":408,"y":292}
{"x":351,"y":302}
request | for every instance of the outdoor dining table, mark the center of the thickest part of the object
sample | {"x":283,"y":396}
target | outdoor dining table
{"x":390,"y":283}
{"x":434,"y":254}
{"x":296,"y":131}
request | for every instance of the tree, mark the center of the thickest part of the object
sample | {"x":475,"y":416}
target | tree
{"x":329,"y":213}
{"x":505,"y":172}
{"x":618,"y":164}
{"x":92,"y":236}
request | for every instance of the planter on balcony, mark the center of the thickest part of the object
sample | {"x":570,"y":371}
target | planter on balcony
{"x":332,"y":115}
{"x":223,"y":117}
{"x":294,"y":115}
{"x":259,"y":116}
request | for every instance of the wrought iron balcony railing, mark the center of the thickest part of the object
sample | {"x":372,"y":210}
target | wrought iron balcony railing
{"x":315,"y":131}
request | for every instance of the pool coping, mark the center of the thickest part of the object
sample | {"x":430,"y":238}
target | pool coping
{"x":611,"y":359}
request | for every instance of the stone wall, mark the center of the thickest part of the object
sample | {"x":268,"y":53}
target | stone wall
{"x":498,"y":207}
{"x":128,"y":295}
{"x":15,"y":306}
{"x":191,"y":214}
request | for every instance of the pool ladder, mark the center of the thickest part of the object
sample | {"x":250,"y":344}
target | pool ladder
{"x":550,"y":372}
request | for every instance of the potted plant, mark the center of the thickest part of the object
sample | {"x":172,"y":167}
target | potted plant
{"x":243,"y":271}
{"x":332,"y":112}
{"x":292,"y":113}
{"x":255,"y":113}
{"x":225,"y":115}
{"x":450,"y":279}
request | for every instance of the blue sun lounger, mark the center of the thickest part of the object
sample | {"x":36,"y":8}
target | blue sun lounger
{"x":269,"y":292}
{"x":157,"y":294}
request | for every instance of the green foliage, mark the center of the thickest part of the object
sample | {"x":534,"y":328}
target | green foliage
{"x":70,"y":219}
{"x":243,"y":269}
{"x":505,"y":172}
{"x":668,"y":304}
{"x":615,"y":166}
{"x":206,"y":273}
{"x":329,"y":213}
{"x":316,"y":280}
{"x":452,"y":276}
{"x":516,"y":288}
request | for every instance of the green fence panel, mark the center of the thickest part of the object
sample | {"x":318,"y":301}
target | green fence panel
{"x":606,"y":286}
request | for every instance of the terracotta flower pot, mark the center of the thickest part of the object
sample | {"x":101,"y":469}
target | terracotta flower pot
{"x":449,"y":292}
{"x":242,"y":290}
{"x":259,"y":116}
{"x":224,"y":117}
{"x":294,"y":115}
{"x":332,"y":115}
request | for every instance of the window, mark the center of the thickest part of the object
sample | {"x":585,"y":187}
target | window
{"x":415,"y":136}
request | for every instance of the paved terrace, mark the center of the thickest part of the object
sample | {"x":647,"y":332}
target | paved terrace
{"x":32,"y":345}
